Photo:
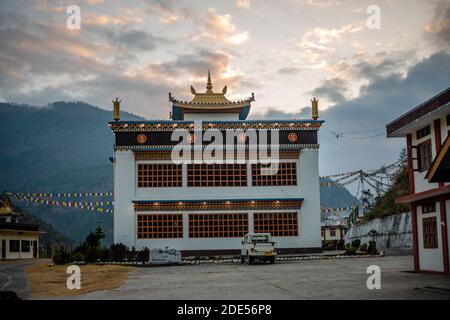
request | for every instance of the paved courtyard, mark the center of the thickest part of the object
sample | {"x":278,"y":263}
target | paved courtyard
{"x":322,"y":279}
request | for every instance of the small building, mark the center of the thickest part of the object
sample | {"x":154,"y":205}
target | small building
{"x":426,"y":129}
{"x":331,"y":234}
{"x":17,"y":240}
{"x":206,"y":208}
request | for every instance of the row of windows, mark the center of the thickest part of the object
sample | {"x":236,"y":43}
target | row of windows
{"x":153,"y":175}
{"x":217,"y":175}
{"x":284,"y":174}
{"x":159,"y":175}
{"x":217,"y":225}
{"x":14,"y":246}
{"x":220,"y":225}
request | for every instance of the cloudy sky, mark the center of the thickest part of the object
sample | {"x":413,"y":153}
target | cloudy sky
{"x":284,"y":51}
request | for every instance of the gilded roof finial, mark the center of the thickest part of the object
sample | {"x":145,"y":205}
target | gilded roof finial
{"x":315,"y":108}
{"x":209,"y":84}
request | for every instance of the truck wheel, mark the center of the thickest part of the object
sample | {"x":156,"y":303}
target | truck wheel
{"x":250,"y":260}
{"x":272,"y":260}
{"x":242,"y":259}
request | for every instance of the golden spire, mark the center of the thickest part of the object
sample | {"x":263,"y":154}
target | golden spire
{"x":116,"y":104}
{"x":315,"y":108}
{"x":209,"y":84}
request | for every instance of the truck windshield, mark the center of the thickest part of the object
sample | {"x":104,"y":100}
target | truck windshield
{"x":260,"y":239}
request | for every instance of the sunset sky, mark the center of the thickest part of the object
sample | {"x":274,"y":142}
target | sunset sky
{"x":284,"y":51}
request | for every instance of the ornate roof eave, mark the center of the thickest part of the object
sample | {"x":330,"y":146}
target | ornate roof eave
{"x":211,"y":105}
{"x":280,"y":147}
{"x":170,"y":125}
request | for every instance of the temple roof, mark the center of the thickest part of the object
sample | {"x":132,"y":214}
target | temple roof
{"x":209,"y":99}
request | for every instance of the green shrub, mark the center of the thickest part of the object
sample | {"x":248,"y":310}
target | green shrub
{"x":104,"y":254}
{"x":363,"y":247}
{"x":143,"y":255}
{"x":351,"y":251}
{"x":372,"y":247}
{"x":76,"y":257}
{"x":91,"y":255}
{"x":61,"y":256}
{"x":356,"y":243}
{"x":119,"y":252}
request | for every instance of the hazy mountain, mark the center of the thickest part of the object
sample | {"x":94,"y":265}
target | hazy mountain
{"x":65,"y":147}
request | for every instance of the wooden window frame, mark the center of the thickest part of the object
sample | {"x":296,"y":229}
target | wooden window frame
{"x":424,"y":155}
{"x":429,"y":207}
{"x":332,"y":232}
{"x":14,"y":248}
{"x":286,"y":175}
{"x":159,"y":175}
{"x":278,"y":224}
{"x":24,"y":246}
{"x":160,"y":226}
{"x":429,"y":233}
{"x":218,"y":225}
{"x":203,"y":175}
{"x":423,"y":132}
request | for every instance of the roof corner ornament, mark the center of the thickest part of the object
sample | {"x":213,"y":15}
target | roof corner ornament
{"x":253,"y":96}
{"x":224,"y":90}
{"x":315,"y":108}
{"x":116,"y":106}
{"x":171,"y":99}
{"x":193,"y":90}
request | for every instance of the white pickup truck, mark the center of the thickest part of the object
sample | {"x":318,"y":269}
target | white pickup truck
{"x":258,"y":246}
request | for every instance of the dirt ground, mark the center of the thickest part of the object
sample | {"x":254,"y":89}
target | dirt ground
{"x":47,"y":281}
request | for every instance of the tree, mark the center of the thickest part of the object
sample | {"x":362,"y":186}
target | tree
{"x":384,"y":205}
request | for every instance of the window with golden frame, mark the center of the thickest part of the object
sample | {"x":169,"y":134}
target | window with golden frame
{"x":279,"y":224}
{"x":263,"y":176}
{"x":217,"y":175}
{"x":159,"y":175}
{"x":429,"y":233}
{"x":159,"y":226}
{"x":218,"y":225}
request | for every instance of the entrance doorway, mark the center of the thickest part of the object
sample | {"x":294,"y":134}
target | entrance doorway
{"x":35,"y":249}
{"x":3,"y":249}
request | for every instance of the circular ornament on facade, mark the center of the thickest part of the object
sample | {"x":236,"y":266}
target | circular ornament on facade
{"x":142,"y":138}
{"x":242,"y":137}
{"x":191,"y":138}
{"x":292,"y":137}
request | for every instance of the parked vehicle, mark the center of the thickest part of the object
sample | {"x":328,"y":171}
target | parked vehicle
{"x":258,"y":246}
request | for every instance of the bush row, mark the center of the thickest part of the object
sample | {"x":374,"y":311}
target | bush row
{"x":116,"y":253}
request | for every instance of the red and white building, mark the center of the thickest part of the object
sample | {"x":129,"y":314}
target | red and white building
{"x":426,"y":129}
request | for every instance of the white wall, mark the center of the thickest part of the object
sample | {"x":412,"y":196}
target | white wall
{"x":126,"y":191}
{"x":430,"y":259}
{"x":420,"y":183}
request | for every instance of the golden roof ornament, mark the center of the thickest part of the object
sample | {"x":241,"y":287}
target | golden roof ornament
{"x":116,"y":106}
{"x":315,"y":108}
